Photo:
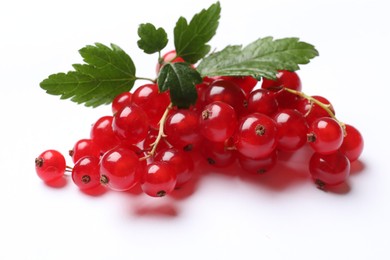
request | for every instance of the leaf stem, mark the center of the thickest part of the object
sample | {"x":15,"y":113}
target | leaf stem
{"x":160,"y":134}
{"x":148,"y":79}
{"x":324,"y":106}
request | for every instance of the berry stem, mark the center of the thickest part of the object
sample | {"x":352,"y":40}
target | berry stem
{"x":160,"y":134}
{"x":326,"y":107}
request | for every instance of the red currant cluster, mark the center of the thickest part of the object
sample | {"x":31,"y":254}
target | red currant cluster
{"x":149,"y":142}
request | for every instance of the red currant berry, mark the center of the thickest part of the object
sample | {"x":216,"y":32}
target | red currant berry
{"x":353,"y":143}
{"x":103,"y":135}
{"x":218,"y":154}
{"x":329,"y":170}
{"x":260,"y":165}
{"x":182,"y":129}
{"x":227,"y":92}
{"x":256,"y":136}
{"x":50,"y":165}
{"x":285,"y":79}
{"x":180,"y":161}
{"x":159,"y":179}
{"x":152,"y":102}
{"x":120,"y":101}
{"x":131,"y":124}
{"x":262,"y":101}
{"x":119,"y":169}
{"x":292,"y":130}
{"x":86,"y":173}
{"x":246,"y":83}
{"x":325,"y":135}
{"x":312,"y":111}
{"x":218,"y":121}
{"x":84,"y":147}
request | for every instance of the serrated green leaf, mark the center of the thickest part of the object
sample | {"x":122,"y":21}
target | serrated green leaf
{"x":151,"y":39}
{"x":190,"y":39}
{"x":262,"y":58}
{"x":107,"y":73}
{"x":180,"y":79}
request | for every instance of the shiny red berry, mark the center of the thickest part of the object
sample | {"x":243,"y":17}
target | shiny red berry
{"x":256,"y":136}
{"x":103,"y":135}
{"x":159,"y":179}
{"x":131,"y":124}
{"x":227,"y":92}
{"x":119,"y":169}
{"x":329,"y":170}
{"x":120,"y":101}
{"x":182,"y":129}
{"x":50,"y":165}
{"x":262,"y":101}
{"x":292,"y":130}
{"x":325,"y":135}
{"x":82,"y":148}
{"x":217,"y":121}
{"x":86,"y":173}
{"x":353,"y":143}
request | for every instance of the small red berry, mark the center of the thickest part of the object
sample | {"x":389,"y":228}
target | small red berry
{"x":103,"y":135}
{"x":218,"y":121}
{"x":325,"y":135}
{"x":50,"y":165}
{"x":131,"y":124}
{"x":256,"y":136}
{"x":329,"y":170}
{"x":353,"y":143}
{"x":159,"y":179}
{"x":84,"y":147}
{"x":119,"y":169}
{"x":120,"y":101}
{"x":86,"y":173}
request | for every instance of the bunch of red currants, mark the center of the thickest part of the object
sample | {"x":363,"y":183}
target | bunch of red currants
{"x":149,"y":142}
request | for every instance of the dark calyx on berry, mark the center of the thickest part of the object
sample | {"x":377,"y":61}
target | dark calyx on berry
{"x":161,"y":193}
{"x":211,"y":161}
{"x":320,"y":184}
{"x":38,"y":162}
{"x":206,"y":114}
{"x":85,"y":179}
{"x":104,"y":179}
{"x":260,"y":130}
{"x":311,"y":137}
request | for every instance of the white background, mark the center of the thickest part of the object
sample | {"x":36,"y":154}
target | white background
{"x":220,"y":216}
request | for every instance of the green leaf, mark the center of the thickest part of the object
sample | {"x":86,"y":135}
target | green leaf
{"x":262,"y":58}
{"x":151,"y":39}
{"x":190,"y":39}
{"x":180,"y":79}
{"x":107,"y":73}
